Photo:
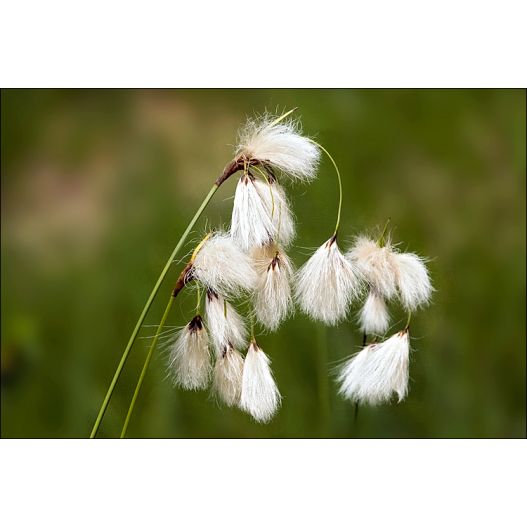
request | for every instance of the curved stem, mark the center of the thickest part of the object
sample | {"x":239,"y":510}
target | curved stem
{"x":339,"y":180}
{"x":198,"y":299}
{"x":199,"y":246}
{"x":139,"y":323}
{"x":145,"y":366}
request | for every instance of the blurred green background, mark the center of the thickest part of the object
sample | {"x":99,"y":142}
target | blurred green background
{"x":98,"y":185}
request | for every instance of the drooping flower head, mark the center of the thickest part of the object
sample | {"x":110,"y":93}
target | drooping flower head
{"x":272,"y":296}
{"x":280,"y":144}
{"x":376,"y":264}
{"x":227,"y":376}
{"x":189,"y":361}
{"x":225,"y":325}
{"x":259,"y":394}
{"x":374,"y":316}
{"x":221,"y":266}
{"x":261,"y":213}
{"x":413,"y":280}
{"x":389,"y":274}
{"x":378,"y":371}
{"x":326,"y":284}
{"x":252,"y":224}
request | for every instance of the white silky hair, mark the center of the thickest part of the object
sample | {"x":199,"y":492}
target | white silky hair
{"x":252,"y":224}
{"x":225,"y":325}
{"x":227,"y":376}
{"x":220,"y":265}
{"x":376,"y":265}
{"x":326,"y":284}
{"x":280,"y":145}
{"x":189,"y":361}
{"x":279,"y":209}
{"x":259,"y":396}
{"x":377,"y":372}
{"x":272,"y":297}
{"x":374,"y":317}
{"x":413,"y":280}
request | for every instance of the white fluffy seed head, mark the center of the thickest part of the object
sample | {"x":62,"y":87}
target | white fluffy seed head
{"x":326,"y":284}
{"x":374,"y":317}
{"x":227,"y":377}
{"x":259,"y":396}
{"x":272,"y":297}
{"x":220,"y":265}
{"x":279,"y":209}
{"x":189,"y":361}
{"x":377,"y":372}
{"x":413,"y":280}
{"x":279,"y":145}
{"x":376,"y":265}
{"x":226,"y":326}
{"x":251,"y":224}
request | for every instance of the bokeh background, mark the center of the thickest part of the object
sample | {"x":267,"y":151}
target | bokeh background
{"x":98,"y":185}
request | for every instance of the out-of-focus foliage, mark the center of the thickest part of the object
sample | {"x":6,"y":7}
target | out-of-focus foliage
{"x":97,"y":186}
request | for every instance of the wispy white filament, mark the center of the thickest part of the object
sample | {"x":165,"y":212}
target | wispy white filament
{"x":279,"y":145}
{"x":259,"y":396}
{"x":221,"y":266}
{"x":377,"y":372}
{"x":413,"y":280}
{"x":326,"y":284}
{"x":252,"y":224}
{"x":279,"y":210}
{"x":272,"y":296}
{"x":376,"y":264}
{"x":227,"y":377}
{"x":374,"y":316}
{"x":226,"y":326}
{"x":189,"y":362}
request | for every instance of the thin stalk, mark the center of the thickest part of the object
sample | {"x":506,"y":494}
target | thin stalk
{"x":184,"y":277}
{"x":145,"y":366}
{"x":231,"y":168}
{"x":356,"y":414}
{"x":283,"y":116}
{"x":381,"y":240}
{"x":198,"y":299}
{"x":146,"y":308}
{"x":340,"y":184}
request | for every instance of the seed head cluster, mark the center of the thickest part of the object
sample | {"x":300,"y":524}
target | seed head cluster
{"x":247,"y":265}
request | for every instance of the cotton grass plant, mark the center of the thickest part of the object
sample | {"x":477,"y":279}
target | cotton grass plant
{"x":247,"y":265}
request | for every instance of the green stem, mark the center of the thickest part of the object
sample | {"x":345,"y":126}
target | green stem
{"x":133,"y":336}
{"x":145,"y":366}
{"x":198,"y":300}
{"x":381,"y":240}
{"x":356,"y":414}
{"x":339,"y":180}
{"x":283,"y":116}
